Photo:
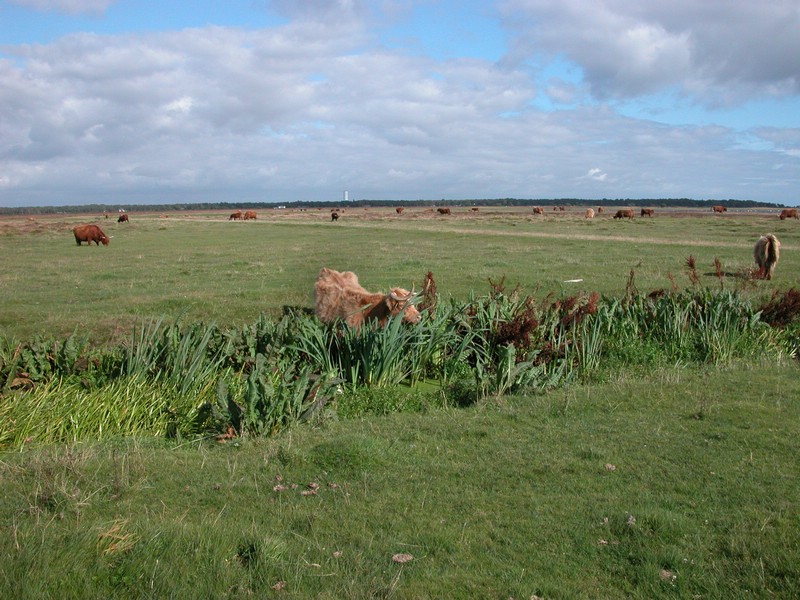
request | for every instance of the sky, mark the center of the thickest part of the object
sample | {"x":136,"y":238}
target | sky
{"x":145,"y":102}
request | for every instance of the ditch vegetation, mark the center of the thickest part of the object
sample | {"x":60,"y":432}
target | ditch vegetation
{"x":188,"y":379}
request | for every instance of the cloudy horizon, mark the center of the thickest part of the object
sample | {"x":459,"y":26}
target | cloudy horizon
{"x":128,"y":101}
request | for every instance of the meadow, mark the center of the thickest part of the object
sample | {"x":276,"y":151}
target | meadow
{"x":642,"y":445}
{"x":207,"y":268}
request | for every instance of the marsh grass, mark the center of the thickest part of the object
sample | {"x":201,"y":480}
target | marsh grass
{"x":183,"y":379}
{"x":229,"y":273}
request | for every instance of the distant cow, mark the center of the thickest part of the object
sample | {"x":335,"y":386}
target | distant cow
{"x":648,"y":212}
{"x":443,"y":211}
{"x":123,"y":219}
{"x":719,"y":208}
{"x":626,"y":213}
{"x":788,"y":213}
{"x":250,"y":214}
{"x":237,"y":216}
{"x":767,"y":252}
{"x":475,"y":209}
{"x":338,"y":295}
{"x":600,"y":210}
{"x":399,"y":210}
{"x":589,"y":213}
{"x":538,"y":210}
{"x":334,"y":216}
{"x":89,"y":234}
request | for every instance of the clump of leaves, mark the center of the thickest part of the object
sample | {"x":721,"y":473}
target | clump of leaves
{"x":719,"y":271}
{"x":691,"y":264}
{"x":573,"y":309}
{"x":782,"y":308}
{"x":518,"y":329}
{"x":429,"y":294}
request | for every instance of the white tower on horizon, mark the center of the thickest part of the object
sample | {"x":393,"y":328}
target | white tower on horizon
{"x":346,"y":195}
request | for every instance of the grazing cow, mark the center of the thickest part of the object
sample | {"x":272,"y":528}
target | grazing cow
{"x":538,"y":210}
{"x":443,"y":211}
{"x":648,"y":212}
{"x":589,"y":213}
{"x":475,"y":209}
{"x":399,"y":210}
{"x":626,"y":213}
{"x":767,"y":252}
{"x":237,"y":216}
{"x":123,"y":219}
{"x":89,"y":234}
{"x":338,"y":295}
{"x":788,"y":213}
{"x":334,"y":216}
{"x":250,"y":214}
{"x":719,"y":208}
{"x":600,"y":210}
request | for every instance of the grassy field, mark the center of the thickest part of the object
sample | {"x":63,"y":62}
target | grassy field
{"x":208,"y":268}
{"x":682,"y":486}
{"x":678,"y":482}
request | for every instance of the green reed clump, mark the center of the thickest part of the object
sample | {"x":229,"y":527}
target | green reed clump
{"x":67,"y":411}
{"x":268,"y":400}
{"x":189,"y":378}
{"x":694,"y":326}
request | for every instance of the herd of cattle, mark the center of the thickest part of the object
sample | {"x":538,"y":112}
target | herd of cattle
{"x":339,"y":296}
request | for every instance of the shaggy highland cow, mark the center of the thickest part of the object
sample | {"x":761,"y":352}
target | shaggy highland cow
{"x":589,"y":213}
{"x":338,"y":295}
{"x":767,"y":252}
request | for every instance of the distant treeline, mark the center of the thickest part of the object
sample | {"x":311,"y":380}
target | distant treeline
{"x":176,"y":207}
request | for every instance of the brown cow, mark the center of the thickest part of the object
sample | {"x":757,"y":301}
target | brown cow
{"x":648,"y":212}
{"x":123,"y":219}
{"x":237,"y":216}
{"x":788,"y":213}
{"x":89,"y":234}
{"x":475,"y":209}
{"x":443,"y":211}
{"x":334,"y":216}
{"x":589,"y":213}
{"x":626,"y":213}
{"x":538,"y":210}
{"x":250,"y":214}
{"x":719,"y":208}
{"x":767,"y":252}
{"x":338,"y":295}
{"x":600,"y":210}
{"x":399,"y":210}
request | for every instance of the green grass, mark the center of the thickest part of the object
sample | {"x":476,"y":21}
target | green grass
{"x":672,"y":473}
{"x":229,"y":272}
{"x":509,"y":498}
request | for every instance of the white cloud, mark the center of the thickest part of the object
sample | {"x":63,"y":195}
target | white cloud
{"x":720,"y":52}
{"x":596,"y":174}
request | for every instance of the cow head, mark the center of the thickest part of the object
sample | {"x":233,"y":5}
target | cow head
{"x":400,"y":301}
{"x":104,"y":239}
